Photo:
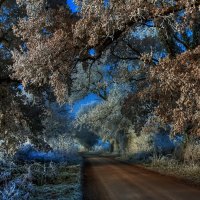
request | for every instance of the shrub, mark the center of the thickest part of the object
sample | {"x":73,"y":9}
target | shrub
{"x":15,"y":184}
{"x":146,"y":144}
{"x":191,"y":152}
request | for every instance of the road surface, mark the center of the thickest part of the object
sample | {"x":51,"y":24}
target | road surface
{"x":107,"y":179}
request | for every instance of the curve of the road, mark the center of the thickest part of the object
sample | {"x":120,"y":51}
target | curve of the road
{"x":107,"y":179}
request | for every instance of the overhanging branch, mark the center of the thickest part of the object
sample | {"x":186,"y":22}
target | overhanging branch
{"x":154,"y":14}
{"x":9,"y":80}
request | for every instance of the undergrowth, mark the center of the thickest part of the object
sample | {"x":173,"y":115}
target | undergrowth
{"x":183,"y":161}
{"x":39,"y":181}
{"x":190,"y":171}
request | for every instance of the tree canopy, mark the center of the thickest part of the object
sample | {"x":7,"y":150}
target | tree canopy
{"x":149,"y":47}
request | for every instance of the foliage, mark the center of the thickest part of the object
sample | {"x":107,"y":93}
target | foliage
{"x":49,"y":51}
{"x":106,"y":117}
{"x":175,"y":85}
{"x":191,"y":154}
{"x":128,"y":39}
{"x":158,"y":142}
{"x":20,"y":112}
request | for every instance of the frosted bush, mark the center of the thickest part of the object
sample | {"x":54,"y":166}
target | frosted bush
{"x":10,"y":192}
{"x":141,"y":146}
{"x":146,"y":144}
{"x":192,"y":151}
{"x":5,"y":176}
{"x":17,"y":188}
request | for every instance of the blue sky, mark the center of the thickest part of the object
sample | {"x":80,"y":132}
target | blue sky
{"x":73,"y":109}
{"x":89,"y":99}
{"x":72,"y":6}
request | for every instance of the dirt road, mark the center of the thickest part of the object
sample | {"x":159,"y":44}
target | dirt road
{"x":107,"y":179}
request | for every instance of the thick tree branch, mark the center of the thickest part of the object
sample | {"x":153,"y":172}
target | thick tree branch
{"x":9,"y":80}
